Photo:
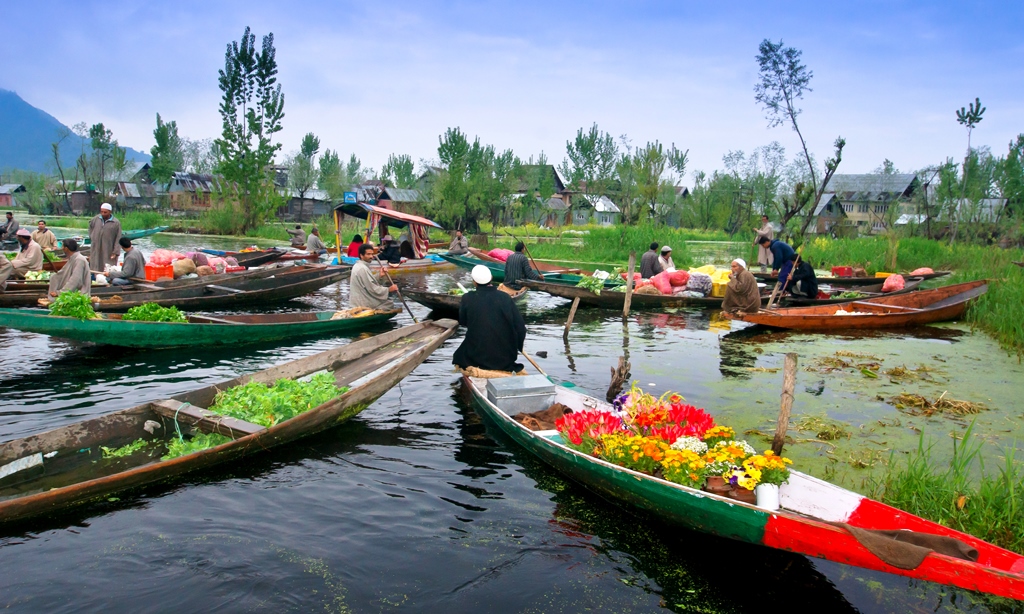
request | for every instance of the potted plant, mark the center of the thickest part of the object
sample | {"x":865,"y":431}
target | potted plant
{"x":773,"y":472}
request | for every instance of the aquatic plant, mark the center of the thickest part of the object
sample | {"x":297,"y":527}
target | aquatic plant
{"x":265,"y":405}
{"x":73,"y":304}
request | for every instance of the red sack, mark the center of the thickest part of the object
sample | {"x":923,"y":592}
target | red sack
{"x":662,"y":283}
{"x":893,"y":283}
{"x":678,"y":278}
{"x":641,"y":283}
{"x":162,"y":257}
{"x":921,"y":271}
{"x":636,"y":278}
{"x":500,"y":254}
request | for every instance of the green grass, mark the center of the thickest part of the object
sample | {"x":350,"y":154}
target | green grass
{"x":962,"y":495}
{"x":1000,"y":312}
{"x":132,"y":220}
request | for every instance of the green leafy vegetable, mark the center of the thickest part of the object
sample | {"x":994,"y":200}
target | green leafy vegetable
{"x":589,"y":282}
{"x":151,"y":312}
{"x":268,"y":405}
{"x":177,"y":447}
{"x":73,"y":304}
{"x":849,"y":295}
{"x":456,"y":292}
{"x":125,"y":450}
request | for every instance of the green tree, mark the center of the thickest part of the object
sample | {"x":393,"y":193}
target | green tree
{"x":1009,"y":177}
{"x":475,"y":181}
{"x":782,"y":81}
{"x":590,"y":164}
{"x":968,"y":117}
{"x":167,"y":153}
{"x":354,"y":171}
{"x":330,"y":177}
{"x":302,"y":171}
{"x":399,"y":172}
{"x":104,"y":148}
{"x":252,"y":108}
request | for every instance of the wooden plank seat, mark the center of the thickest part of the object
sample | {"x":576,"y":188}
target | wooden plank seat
{"x":205,"y":420}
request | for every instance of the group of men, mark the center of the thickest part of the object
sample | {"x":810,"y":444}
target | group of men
{"x":652,"y":262}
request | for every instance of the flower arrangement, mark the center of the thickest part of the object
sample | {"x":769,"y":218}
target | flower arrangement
{"x":744,"y":477}
{"x":692,"y":444}
{"x":583,"y":430}
{"x":771,"y":467}
{"x":643,"y":454}
{"x":717,"y":434}
{"x":725,"y":455}
{"x":684,"y":467}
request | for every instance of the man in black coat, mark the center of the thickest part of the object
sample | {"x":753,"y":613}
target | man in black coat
{"x":495,"y":330}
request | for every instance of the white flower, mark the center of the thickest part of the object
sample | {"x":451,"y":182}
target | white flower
{"x":690,"y":443}
{"x":746,"y":447}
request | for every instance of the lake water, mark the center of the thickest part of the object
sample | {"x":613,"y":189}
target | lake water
{"x":416,"y":505}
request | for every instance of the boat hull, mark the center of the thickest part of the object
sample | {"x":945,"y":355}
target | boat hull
{"x":616,"y":300}
{"x":447,"y":303}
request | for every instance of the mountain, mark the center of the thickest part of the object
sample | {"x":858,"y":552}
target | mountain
{"x":27,"y":132}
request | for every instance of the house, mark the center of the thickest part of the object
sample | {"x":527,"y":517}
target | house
{"x":399,"y":199}
{"x":529,"y":182}
{"x":601,"y":211}
{"x":192,"y":191}
{"x":313,"y":203}
{"x":828,"y":214}
{"x":137,"y":195}
{"x":7,"y":192}
{"x":986,"y":210}
{"x":870,"y":201}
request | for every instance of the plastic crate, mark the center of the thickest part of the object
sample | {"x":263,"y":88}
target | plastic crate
{"x":842,"y":271}
{"x":156,"y":271}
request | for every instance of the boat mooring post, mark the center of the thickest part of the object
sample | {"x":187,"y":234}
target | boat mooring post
{"x":788,"y":383}
{"x":629,"y":283}
{"x":572,"y":314}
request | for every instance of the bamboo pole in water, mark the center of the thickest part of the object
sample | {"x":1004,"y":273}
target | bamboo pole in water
{"x":629,"y":283}
{"x":788,"y":383}
{"x":572,"y":314}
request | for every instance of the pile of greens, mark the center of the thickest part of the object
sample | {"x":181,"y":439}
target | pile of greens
{"x":268,"y":405}
{"x":178,"y":447}
{"x":125,"y":450}
{"x":594,"y":284}
{"x":151,"y":312}
{"x":73,"y":304}
{"x":849,"y":295}
{"x":456,"y":292}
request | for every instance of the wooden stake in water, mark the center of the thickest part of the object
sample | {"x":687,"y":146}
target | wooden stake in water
{"x":572,"y":314}
{"x":629,"y":283}
{"x":788,"y":383}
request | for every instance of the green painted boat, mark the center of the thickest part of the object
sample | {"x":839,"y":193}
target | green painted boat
{"x":131,"y":234}
{"x":816,"y":518}
{"x":111,"y":329}
{"x":497,"y":268}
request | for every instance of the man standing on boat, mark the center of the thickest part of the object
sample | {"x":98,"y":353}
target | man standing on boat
{"x":741,"y":294}
{"x":134,"y":266}
{"x":459,"y":245}
{"x":764,"y":256}
{"x":364,"y":291}
{"x":495,"y":330}
{"x":104,"y":234}
{"x":29,"y":259}
{"x":782,"y":257}
{"x":44,"y":236}
{"x":517,"y":268}
{"x":75,"y":275}
{"x":649,"y":265}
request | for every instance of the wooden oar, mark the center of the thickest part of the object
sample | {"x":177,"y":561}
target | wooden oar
{"x":789,"y":277}
{"x":383,"y":267}
{"x":534,"y":262}
{"x":532,"y":362}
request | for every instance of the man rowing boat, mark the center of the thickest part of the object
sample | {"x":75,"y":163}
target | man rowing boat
{"x":495,"y":330}
{"x":364,"y":291}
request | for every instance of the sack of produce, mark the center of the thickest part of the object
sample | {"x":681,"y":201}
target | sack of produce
{"x":636,"y":278}
{"x":217,"y":264}
{"x":500,"y":254}
{"x":662,"y":283}
{"x":648,"y":289}
{"x":183,"y":267}
{"x":164,"y":257}
{"x":893,"y":283}
{"x":921,"y":271}
{"x":205,"y":270}
{"x":199,"y":258}
{"x":679,"y":278}
{"x":699,"y":282}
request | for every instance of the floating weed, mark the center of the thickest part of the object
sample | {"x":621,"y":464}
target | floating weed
{"x":125,"y":450}
{"x":846,"y":354}
{"x":917,"y":405}
{"x":824,"y":429}
{"x":762,"y":370}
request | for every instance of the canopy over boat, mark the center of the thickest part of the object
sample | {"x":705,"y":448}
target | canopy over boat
{"x":380,"y":217}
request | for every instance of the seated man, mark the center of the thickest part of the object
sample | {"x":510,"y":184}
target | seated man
{"x":741,"y":293}
{"x":665,"y":259}
{"x":495,"y":330}
{"x":364,"y":291}
{"x":134,"y":266}
{"x":44,"y":236}
{"x":405,"y":246}
{"x":804,"y":282}
{"x":517,"y":268}
{"x":75,"y":275}
{"x":30,"y":258}
{"x":391,"y":253}
{"x":314,"y":244}
{"x":459,"y":245}
{"x":298,"y":236}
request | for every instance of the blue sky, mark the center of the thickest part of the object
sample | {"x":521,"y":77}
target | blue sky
{"x":376,"y":78}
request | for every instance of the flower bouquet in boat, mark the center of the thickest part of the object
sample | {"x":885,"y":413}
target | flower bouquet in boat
{"x":667,"y":438}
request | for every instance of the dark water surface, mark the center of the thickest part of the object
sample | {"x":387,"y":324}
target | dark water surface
{"x":413,"y":505}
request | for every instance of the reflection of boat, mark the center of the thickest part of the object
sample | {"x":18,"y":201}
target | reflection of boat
{"x":199,"y":330}
{"x":866,"y":292}
{"x":616,"y":300}
{"x":448,"y":303}
{"x":48,"y":471}
{"x":913,"y":309}
{"x":817,"y":519}
{"x":848,"y":282}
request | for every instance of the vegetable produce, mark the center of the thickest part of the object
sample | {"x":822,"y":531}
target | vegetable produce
{"x":125,"y":450}
{"x":456,"y":292}
{"x":37,"y":276}
{"x":592,"y":283}
{"x":73,"y":304}
{"x":268,"y":405}
{"x":849,"y":295}
{"x":178,"y":447}
{"x":151,"y":312}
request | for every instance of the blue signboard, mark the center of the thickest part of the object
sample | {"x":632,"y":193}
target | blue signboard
{"x":350,"y":198}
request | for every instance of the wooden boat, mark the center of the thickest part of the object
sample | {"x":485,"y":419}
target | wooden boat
{"x":273,"y":286}
{"x":813,"y":520}
{"x":847,"y":282}
{"x":497,"y":268}
{"x":616,"y":300}
{"x":418,"y":265}
{"x":254,"y":259}
{"x":59,"y":473}
{"x":900,"y":311}
{"x":111,"y":329}
{"x":543,"y":267}
{"x":448,"y":303}
{"x":867,"y":292}
{"x":130,"y":234}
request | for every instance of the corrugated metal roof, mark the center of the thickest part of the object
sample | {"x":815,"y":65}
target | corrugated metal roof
{"x":320,"y":195}
{"x":870,"y":186}
{"x":192,"y":182}
{"x":911,"y":218}
{"x":401,"y":195}
{"x":826,"y":198}
{"x":11,"y":188}
{"x":605,"y":205}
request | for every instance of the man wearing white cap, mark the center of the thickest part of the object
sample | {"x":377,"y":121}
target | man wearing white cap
{"x":29,"y":259}
{"x":104,"y":235}
{"x":363,"y":289}
{"x":741,"y":293}
{"x":665,"y":259}
{"x":495,"y":330}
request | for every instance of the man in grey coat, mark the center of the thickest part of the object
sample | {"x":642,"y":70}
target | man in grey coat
{"x":75,"y":275}
{"x":364,"y":291}
{"x":134,"y":266}
{"x":104,"y":234}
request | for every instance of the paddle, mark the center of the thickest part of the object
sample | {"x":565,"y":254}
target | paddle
{"x":532,"y":362}
{"x":789,"y":277}
{"x":532,"y":261}
{"x":383,"y":267}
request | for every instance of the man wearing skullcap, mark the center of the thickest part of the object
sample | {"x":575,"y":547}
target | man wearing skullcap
{"x":741,"y":293}
{"x":104,"y":235}
{"x":364,"y":291}
{"x":665,"y":259}
{"x":75,"y":275}
{"x":495,"y":330}
{"x":30,"y":258}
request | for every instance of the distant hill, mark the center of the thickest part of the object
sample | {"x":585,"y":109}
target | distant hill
{"x":27,"y":132}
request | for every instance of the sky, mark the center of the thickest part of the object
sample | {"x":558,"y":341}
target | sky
{"x":376,"y":78}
